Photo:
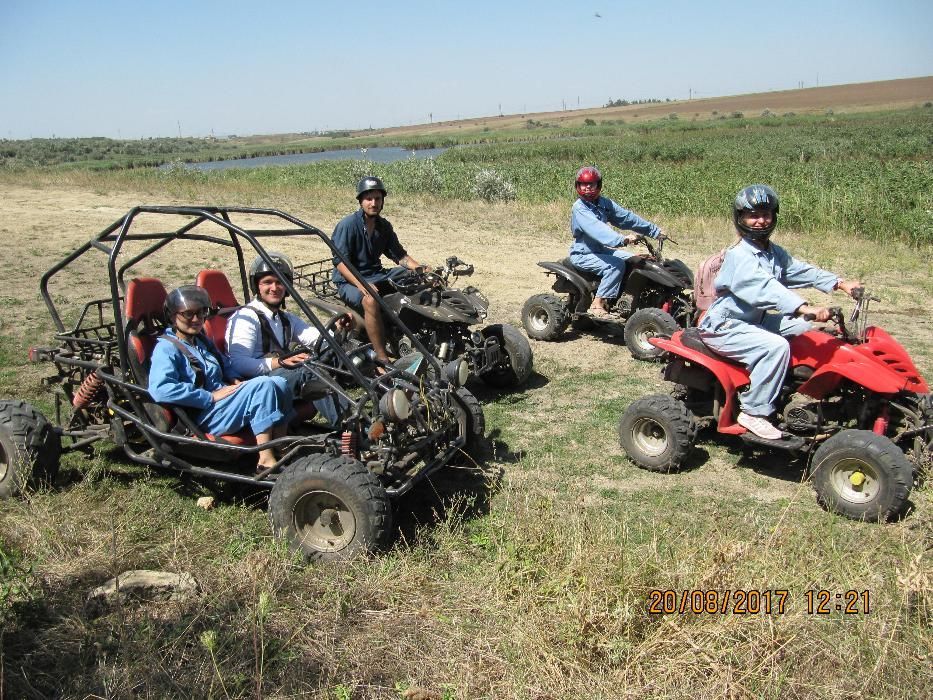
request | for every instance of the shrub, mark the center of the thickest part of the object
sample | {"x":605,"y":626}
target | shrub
{"x":490,"y":186}
{"x":589,"y":122}
{"x":673,"y":116}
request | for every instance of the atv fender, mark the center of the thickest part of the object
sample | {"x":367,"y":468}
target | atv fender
{"x":857,"y":370}
{"x":729,"y":375}
{"x":576,"y":280}
{"x":657,"y":275}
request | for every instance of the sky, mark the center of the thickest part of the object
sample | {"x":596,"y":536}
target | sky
{"x":146,"y":68}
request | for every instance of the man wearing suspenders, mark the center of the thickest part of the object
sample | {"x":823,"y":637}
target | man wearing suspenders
{"x":259,"y":333}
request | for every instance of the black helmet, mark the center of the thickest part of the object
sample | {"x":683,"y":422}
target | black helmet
{"x":259,"y":268}
{"x":188,"y":296}
{"x":370,"y":182}
{"x":751,"y":198}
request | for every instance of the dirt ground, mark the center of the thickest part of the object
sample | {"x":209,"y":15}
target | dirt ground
{"x":39,"y":225}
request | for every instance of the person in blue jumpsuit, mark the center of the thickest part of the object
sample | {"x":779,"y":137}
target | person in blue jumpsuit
{"x":595,"y":241}
{"x":188,"y":370}
{"x":755,"y":309}
{"x":364,"y":237}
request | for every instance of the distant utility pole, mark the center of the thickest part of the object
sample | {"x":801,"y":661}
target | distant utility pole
{"x":578,"y":102}
{"x":179,"y":128}
{"x":564,"y":104}
{"x":431,"y":117}
{"x":689,"y":93}
{"x":817,"y":79}
{"x":500,"y":109}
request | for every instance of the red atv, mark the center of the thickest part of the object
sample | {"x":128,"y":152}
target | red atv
{"x":853,"y":403}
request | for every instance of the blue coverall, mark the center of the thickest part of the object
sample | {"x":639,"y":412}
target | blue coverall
{"x":259,"y":403}
{"x":593,"y":238}
{"x":737,"y":325}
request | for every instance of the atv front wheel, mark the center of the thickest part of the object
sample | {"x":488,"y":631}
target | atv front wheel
{"x":516,"y":364}
{"x":330,"y":508}
{"x":545,"y":317}
{"x":657,"y":433}
{"x":645,"y":324}
{"x":29,"y":447}
{"x":861,"y":475}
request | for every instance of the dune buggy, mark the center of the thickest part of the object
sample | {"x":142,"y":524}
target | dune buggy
{"x":439,"y":315}
{"x":331,"y":488}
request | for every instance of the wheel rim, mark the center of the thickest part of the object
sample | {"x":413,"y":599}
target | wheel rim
{"x":539,"y":319}
{"x":855,"y":480}
{"x":323,"y":521}
{"x":4,"y":464}
{"x":649,"y":437}
{"x":642,"y":336}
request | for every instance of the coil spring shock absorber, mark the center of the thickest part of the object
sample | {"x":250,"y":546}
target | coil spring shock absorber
{"x":89,"y":392}
{"x":348,"y":444}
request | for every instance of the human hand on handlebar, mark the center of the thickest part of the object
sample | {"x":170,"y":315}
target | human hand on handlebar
{"x":631,"y":238}
{"x":853,"y":288}
{"x":814,"y":313}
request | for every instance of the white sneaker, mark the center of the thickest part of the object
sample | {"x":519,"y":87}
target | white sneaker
{"x":759,"y":426}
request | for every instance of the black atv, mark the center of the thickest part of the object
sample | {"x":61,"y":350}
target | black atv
{"x":332,"y":487}
{"x":656,"y":299}
{"x":439,"y":316}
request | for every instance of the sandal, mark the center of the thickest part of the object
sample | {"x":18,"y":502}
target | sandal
{"x":597,"y":312}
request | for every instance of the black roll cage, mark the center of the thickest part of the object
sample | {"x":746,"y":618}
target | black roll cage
{"x":112,"y":239}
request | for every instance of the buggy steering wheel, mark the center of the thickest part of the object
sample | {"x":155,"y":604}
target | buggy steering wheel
{"x":330,"y":328}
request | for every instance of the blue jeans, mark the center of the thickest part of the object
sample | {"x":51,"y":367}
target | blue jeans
{"x":331,"y":407}
{"x":609,"y":266}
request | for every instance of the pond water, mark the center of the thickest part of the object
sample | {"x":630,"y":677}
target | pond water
{"x":378,"y":155}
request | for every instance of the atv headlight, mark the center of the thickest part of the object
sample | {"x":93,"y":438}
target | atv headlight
{"x":395,"y":406}
{"x":457,"y":372}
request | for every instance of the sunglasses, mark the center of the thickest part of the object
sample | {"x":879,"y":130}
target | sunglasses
{"x":191,"y":314}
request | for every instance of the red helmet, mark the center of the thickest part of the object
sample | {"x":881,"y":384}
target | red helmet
{"x":589,"y":175}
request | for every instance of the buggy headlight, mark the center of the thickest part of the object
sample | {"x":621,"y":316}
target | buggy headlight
{"x":457,"y":372}
{"x":395,"y":406}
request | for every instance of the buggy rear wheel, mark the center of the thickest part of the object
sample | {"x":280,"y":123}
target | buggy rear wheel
{"x":545,"y":317}
{"x":645,"y":324}
{"x":657,"y":433}
{"x":330,"y":508}
{"x":861,"y":475}
{"x":29,"y":448}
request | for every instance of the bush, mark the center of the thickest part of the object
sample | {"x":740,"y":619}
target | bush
{"x":589,"y":122}
{"x":673,"y":116}
{"x":490,"y":186}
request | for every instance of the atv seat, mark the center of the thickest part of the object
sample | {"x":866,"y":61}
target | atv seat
{"x":593,"y":279}
{"x":223,"y":300}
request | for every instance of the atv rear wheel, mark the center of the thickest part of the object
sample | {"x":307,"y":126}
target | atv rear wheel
{"x":545,"y":317}
{"x":657,"y":433}
{"x":29,"y":448}
{"x":645,"y":324}
{"x":861,"y":475}
{"x":330,"y":508}
{"x":517,"y":360}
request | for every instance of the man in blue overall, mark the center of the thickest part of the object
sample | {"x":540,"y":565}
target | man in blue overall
{"x":756,"y":278}
{"x":364,"y":237}
{"x":594,"y":240}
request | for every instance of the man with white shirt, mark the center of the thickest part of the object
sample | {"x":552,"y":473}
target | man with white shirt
{"x":259,"y":333}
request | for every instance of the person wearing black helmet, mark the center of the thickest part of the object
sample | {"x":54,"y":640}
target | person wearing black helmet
{"x":755,"y":310}
{"x":364,"y":237}
{"x":260,"y":333}
{"x":595,"y":243}
{"x":188,"y":370}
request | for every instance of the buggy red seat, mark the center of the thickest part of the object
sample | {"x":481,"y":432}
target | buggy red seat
{"x":223,"y":299}
{"x":144,"y":310}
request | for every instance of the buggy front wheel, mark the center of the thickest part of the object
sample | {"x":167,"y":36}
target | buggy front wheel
{"x":516,"y":364}
{"x":330,"y":508}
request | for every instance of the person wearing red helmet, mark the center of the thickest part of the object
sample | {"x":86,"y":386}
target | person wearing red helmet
{"x":596,"y":245}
